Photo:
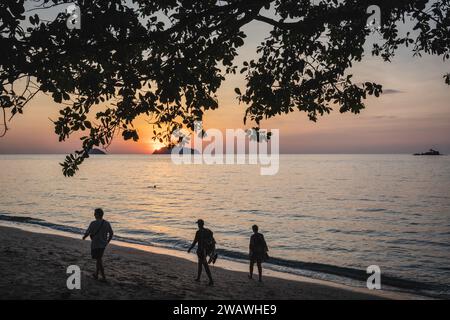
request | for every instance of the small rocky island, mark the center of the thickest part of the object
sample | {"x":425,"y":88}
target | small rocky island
{"x":431,"y":152}
{"x":166,"y":150}
{"x":97,"y":151}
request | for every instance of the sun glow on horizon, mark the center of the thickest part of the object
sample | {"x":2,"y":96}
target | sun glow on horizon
{"x":156,"y":145}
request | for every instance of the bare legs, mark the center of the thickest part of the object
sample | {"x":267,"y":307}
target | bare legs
{"x":99,"y":268}
{"x":259,"y":265}
{"x":202,"y":263}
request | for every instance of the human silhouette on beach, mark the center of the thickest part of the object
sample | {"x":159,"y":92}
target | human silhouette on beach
{"x":258,"y":251}
{"x":204,"y":240}
{"x":101,"y":234}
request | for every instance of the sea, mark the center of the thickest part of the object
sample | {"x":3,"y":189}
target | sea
{"x":328,"y":217}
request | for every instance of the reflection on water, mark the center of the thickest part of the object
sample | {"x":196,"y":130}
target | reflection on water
{"x":339,"y":210}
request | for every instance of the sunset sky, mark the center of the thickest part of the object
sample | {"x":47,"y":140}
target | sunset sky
{"x":412,"y":115}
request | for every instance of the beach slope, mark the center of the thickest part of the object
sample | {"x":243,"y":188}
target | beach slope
{"x":33,"y":266}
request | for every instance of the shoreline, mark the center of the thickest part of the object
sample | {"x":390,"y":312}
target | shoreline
{"x":236,"y":261}
{"x":32,"y":255}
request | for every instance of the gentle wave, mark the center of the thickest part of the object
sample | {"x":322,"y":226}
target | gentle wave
{"x":372,"y":209}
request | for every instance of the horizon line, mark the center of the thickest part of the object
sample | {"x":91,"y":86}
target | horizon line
{"x":151,"y":154}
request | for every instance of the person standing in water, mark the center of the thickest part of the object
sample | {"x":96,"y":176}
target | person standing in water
{"x":204,"y":240}
{"x":101,"y":234}
{"x":258,"y":251}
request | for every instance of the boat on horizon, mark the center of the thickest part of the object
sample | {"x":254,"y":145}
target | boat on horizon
{"x":431,"y":152}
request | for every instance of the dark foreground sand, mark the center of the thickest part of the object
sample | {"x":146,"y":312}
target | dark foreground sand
{"x":33,"y":266}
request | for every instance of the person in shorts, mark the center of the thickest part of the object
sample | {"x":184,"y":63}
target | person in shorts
{"x":258,"y":251}
{"x":204,"y":240}
{"x":101,"y":233}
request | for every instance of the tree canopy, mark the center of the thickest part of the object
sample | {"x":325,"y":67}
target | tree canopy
{"x":167,"y":58}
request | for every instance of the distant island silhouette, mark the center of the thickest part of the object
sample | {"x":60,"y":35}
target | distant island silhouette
{"x":97,"y":151}
{"x":167,"y":150}
{"x":431,"y":152}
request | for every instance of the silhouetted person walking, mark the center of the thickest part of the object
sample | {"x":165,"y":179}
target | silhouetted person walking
{"x":101,"y":234}
{"x":204,"y":240}
{"x":258,"y":251}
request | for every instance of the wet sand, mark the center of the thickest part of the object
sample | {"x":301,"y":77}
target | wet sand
{"x":33,"y":266}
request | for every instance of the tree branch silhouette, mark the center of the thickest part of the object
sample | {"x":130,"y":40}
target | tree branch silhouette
{"x":166,"y":59}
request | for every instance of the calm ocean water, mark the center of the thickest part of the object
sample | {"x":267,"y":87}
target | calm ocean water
{"x":326,"y":216}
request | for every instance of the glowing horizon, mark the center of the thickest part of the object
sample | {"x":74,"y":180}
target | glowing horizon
{"x":412,"y":115}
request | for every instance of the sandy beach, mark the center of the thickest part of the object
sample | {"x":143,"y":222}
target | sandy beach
{"x":33,"y":266}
